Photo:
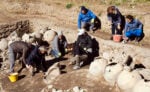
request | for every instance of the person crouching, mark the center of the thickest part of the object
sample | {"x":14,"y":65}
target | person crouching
{"x":133,"y":28}
{"x":21,"y":48}
{"x":82,"y":49}
{"x":37,"y":58}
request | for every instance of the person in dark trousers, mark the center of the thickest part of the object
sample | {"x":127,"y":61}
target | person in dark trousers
{"x":37,"y":58}
{"x":133,"y":28}
{"x":116,"y":20}
{"x":86,"y":18}
{"x":18,"y":47}
{"x":82,"y":49}
{"x":62,"y":41}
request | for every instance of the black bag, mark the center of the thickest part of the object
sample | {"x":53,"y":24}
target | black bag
{"x":95,"y":48}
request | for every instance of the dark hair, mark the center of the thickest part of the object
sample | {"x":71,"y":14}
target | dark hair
{"x":110,"y":8}
{"x":130,"y":17}
{"x":84,"y":9}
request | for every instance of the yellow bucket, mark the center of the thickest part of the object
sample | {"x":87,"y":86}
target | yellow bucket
{"x":13,"y":77}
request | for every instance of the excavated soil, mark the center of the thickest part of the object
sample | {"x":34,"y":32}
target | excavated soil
{"x":69,"y":78}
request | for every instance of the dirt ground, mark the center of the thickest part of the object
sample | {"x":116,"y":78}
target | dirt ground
{"x":68,"y":79}
{"x":50,"y":15}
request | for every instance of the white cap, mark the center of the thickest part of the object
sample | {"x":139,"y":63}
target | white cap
{"x":60,"y":33}
{"x":81,"y":31}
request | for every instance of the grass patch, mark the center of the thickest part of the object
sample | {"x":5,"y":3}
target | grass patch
{"x":117,"y":2}
{"x":69,"y":5}
{"x":100,"y":14}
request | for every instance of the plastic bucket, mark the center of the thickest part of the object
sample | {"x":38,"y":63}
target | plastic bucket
{"x":13,"y":77}
{"x":117,"y":38}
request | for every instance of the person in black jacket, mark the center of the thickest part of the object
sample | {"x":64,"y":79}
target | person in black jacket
{"x":82,"y":49}
{"x":18,"y":47}
{"x":37,"y":58}
{"x":116,"y":20}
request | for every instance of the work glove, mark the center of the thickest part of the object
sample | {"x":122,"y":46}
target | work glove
{"x":118,"y":26}
{"x":92,"y":20}
{"x":59,"y":55}
{"x":85,"y":49}
{"x":66,"y":50}
{"x":28,"y":66}
{"x":89,"y":50}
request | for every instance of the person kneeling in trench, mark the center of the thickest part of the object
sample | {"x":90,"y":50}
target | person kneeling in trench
{"x":58,"y":45}
{"x":15,"y":48}
{"x":86,"y":19}
{"x":82,"y":49}
{"x":37,"y":58}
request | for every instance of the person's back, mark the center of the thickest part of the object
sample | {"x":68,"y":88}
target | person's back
{"x":34,"y":55}
{"x":19,"y":46}
{"x":135,"y":24}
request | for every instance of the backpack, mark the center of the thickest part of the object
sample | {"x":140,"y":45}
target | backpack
{"x":95,"y":48}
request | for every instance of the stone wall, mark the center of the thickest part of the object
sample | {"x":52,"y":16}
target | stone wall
{"x":20,"y":27}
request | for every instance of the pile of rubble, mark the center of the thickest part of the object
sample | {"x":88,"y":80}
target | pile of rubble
{"x":53,"y":72}
{"x":121,"y":71}
{"x":34,"y":38}
{"x":74,"y":89}
{"x":118,"y":69}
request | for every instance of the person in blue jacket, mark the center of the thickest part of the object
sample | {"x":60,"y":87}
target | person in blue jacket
{"x":116,"y":20}
{"x":86,"y":19}
{"x":133,"y":28}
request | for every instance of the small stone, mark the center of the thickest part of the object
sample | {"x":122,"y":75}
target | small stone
{"x":59,"y":90}
{"x":50,"y":86}
{"x":110,"y":88}
{"x":76,"y":89}
{"x":106,"y":55}
{"x":4,"y":44}
{"x":54,"y":90}
{"x":82,"y":90}
{"x":69,"y":90}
